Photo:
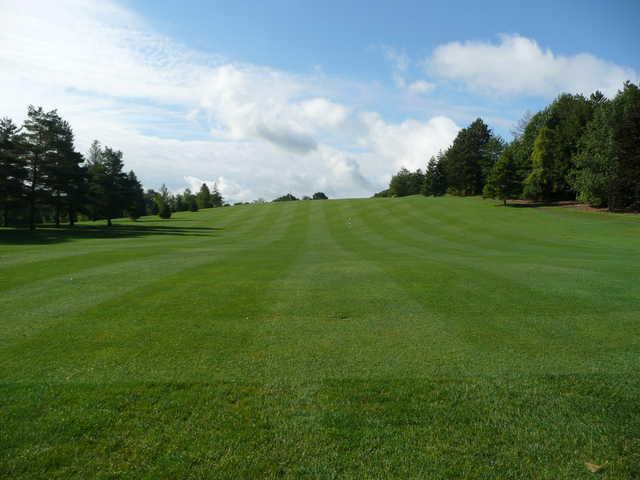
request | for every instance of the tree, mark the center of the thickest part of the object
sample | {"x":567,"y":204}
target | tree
{"x":406,"y":183}
{"x":435,"y":180}
{"x":62,"y":169}
{"x":13,"y":172}
{"x":190,"y":200}
{"x":319,"y":196}
{"x":136,"y":207}
{"x":37,"y":145}
{"x":607,"y":164}
{"x":470,"y":158}
{"x":503,"y":181}
{"x":204,"y":197}
{"x":596,"y":173}
{"x":540,"y":182}
{"x":216,"y":197}
{"x":163,"y":200}
{"x":286,"y":198}
{"x":108,"y":186}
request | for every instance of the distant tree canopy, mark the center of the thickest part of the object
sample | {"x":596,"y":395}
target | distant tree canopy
{"x":576,"y":148}
{"x":43,"y":178}
{"x":319,"y":196}
{"x":286,"y":198}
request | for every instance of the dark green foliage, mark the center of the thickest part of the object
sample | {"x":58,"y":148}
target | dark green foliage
{"x":607,"y":164}
{"x":319,"y":196}
{"x":13,"y":172}
{"x":136,"y":207}
{"x":163,"y":201}
{"x":382,"y":194}
{"x":190,"y":200}
{"x":204,"y":197}
{"x":503,"y":181}
{"x":108,"y":186}
{"x":286,"y":198}
{"x":468,"y":161}
{"x":38,"y":139}
{"x":435,"y":180}
{"x":216,"y":197}
{"x":406,"y":183}
{"x":150,"y":203}
{"x":555,"y":147}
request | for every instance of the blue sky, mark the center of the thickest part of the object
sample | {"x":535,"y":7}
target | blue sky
{"x":268,"y":97}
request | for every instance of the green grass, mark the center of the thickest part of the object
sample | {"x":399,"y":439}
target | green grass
{"x":408,"y":338}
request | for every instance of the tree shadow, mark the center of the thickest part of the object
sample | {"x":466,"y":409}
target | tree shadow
{"x":50,"y":234}
{"x":533,"y":204}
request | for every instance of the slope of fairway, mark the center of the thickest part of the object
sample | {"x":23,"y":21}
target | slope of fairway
{"x":428,"y":338}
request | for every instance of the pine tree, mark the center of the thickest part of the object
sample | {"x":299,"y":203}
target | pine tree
{"x":204,"y":197}
{"x":435,"y":180}
{"x":13,"y":171}
{"x":38,"y":150}
{"x":108,"y":186}
{"x":470,"y":159}
{"x":216,"y":197}
{"x":503,"y":181}
{"x":135,"y":197}
{"x":163,"y":200}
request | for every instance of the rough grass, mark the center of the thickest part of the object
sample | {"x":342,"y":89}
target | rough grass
{"x":408,"y":338}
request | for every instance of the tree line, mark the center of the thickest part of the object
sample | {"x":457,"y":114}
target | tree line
{"x":577,"y":148}
{"x":43,"y":178}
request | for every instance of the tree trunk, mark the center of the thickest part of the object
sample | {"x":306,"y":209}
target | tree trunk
{"x":58,"y":210}
{"x":5,"y":216}
{"x":71,"y":214}
{"x":108,"y":222}
{"x":505,"y":201}
{"x":32,"y":196}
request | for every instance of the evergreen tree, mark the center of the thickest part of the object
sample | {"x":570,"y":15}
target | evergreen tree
{"x":216,"y":197}
{"x":151,"y":206}
{"x":540,"y":182}
{"x":406,"y":183}
{"x":39,"y":138}
{"x":470,"y":159}
{"x":595,"y":177}
{"x":190,"y":200}
{"x":163,"y":200}
{"x":13,"y":172}
{"x":108,"y":186}
{"x":503,"y":181}
{"x":136,"y":207}
{"x":204,"y":197}
{"x":435,"y":180}
{"x":62,"y":169}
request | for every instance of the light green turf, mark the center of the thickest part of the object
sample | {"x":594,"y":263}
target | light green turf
{"x":408,"y":338}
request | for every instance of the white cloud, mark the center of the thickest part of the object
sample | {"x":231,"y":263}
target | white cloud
{"x":409,"y":144}
{"x":183,"y":117}
{"x":420,"y":86}
{"x":517,"y":65}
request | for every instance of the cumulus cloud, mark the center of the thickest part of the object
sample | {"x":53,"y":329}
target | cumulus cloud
{"x":408,"y":144}
{"x":518,"y":65}
{"x":183,"y":117}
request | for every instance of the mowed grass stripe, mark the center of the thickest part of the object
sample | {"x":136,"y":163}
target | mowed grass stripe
{"x":76,"y":291}
{"x":177,"y":335}
{"x":339,"y":339}
{"x":465,"y":292}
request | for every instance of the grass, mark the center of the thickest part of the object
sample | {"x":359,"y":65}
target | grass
{"x":408,"y":338}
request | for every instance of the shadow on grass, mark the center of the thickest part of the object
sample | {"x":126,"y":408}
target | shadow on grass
{"x":50,"y":234}
{"x":527,"y":204}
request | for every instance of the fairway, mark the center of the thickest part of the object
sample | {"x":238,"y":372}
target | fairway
{"x":407,"y":338}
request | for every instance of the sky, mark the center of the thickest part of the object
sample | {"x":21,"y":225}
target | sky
{"x":263,"y":98}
